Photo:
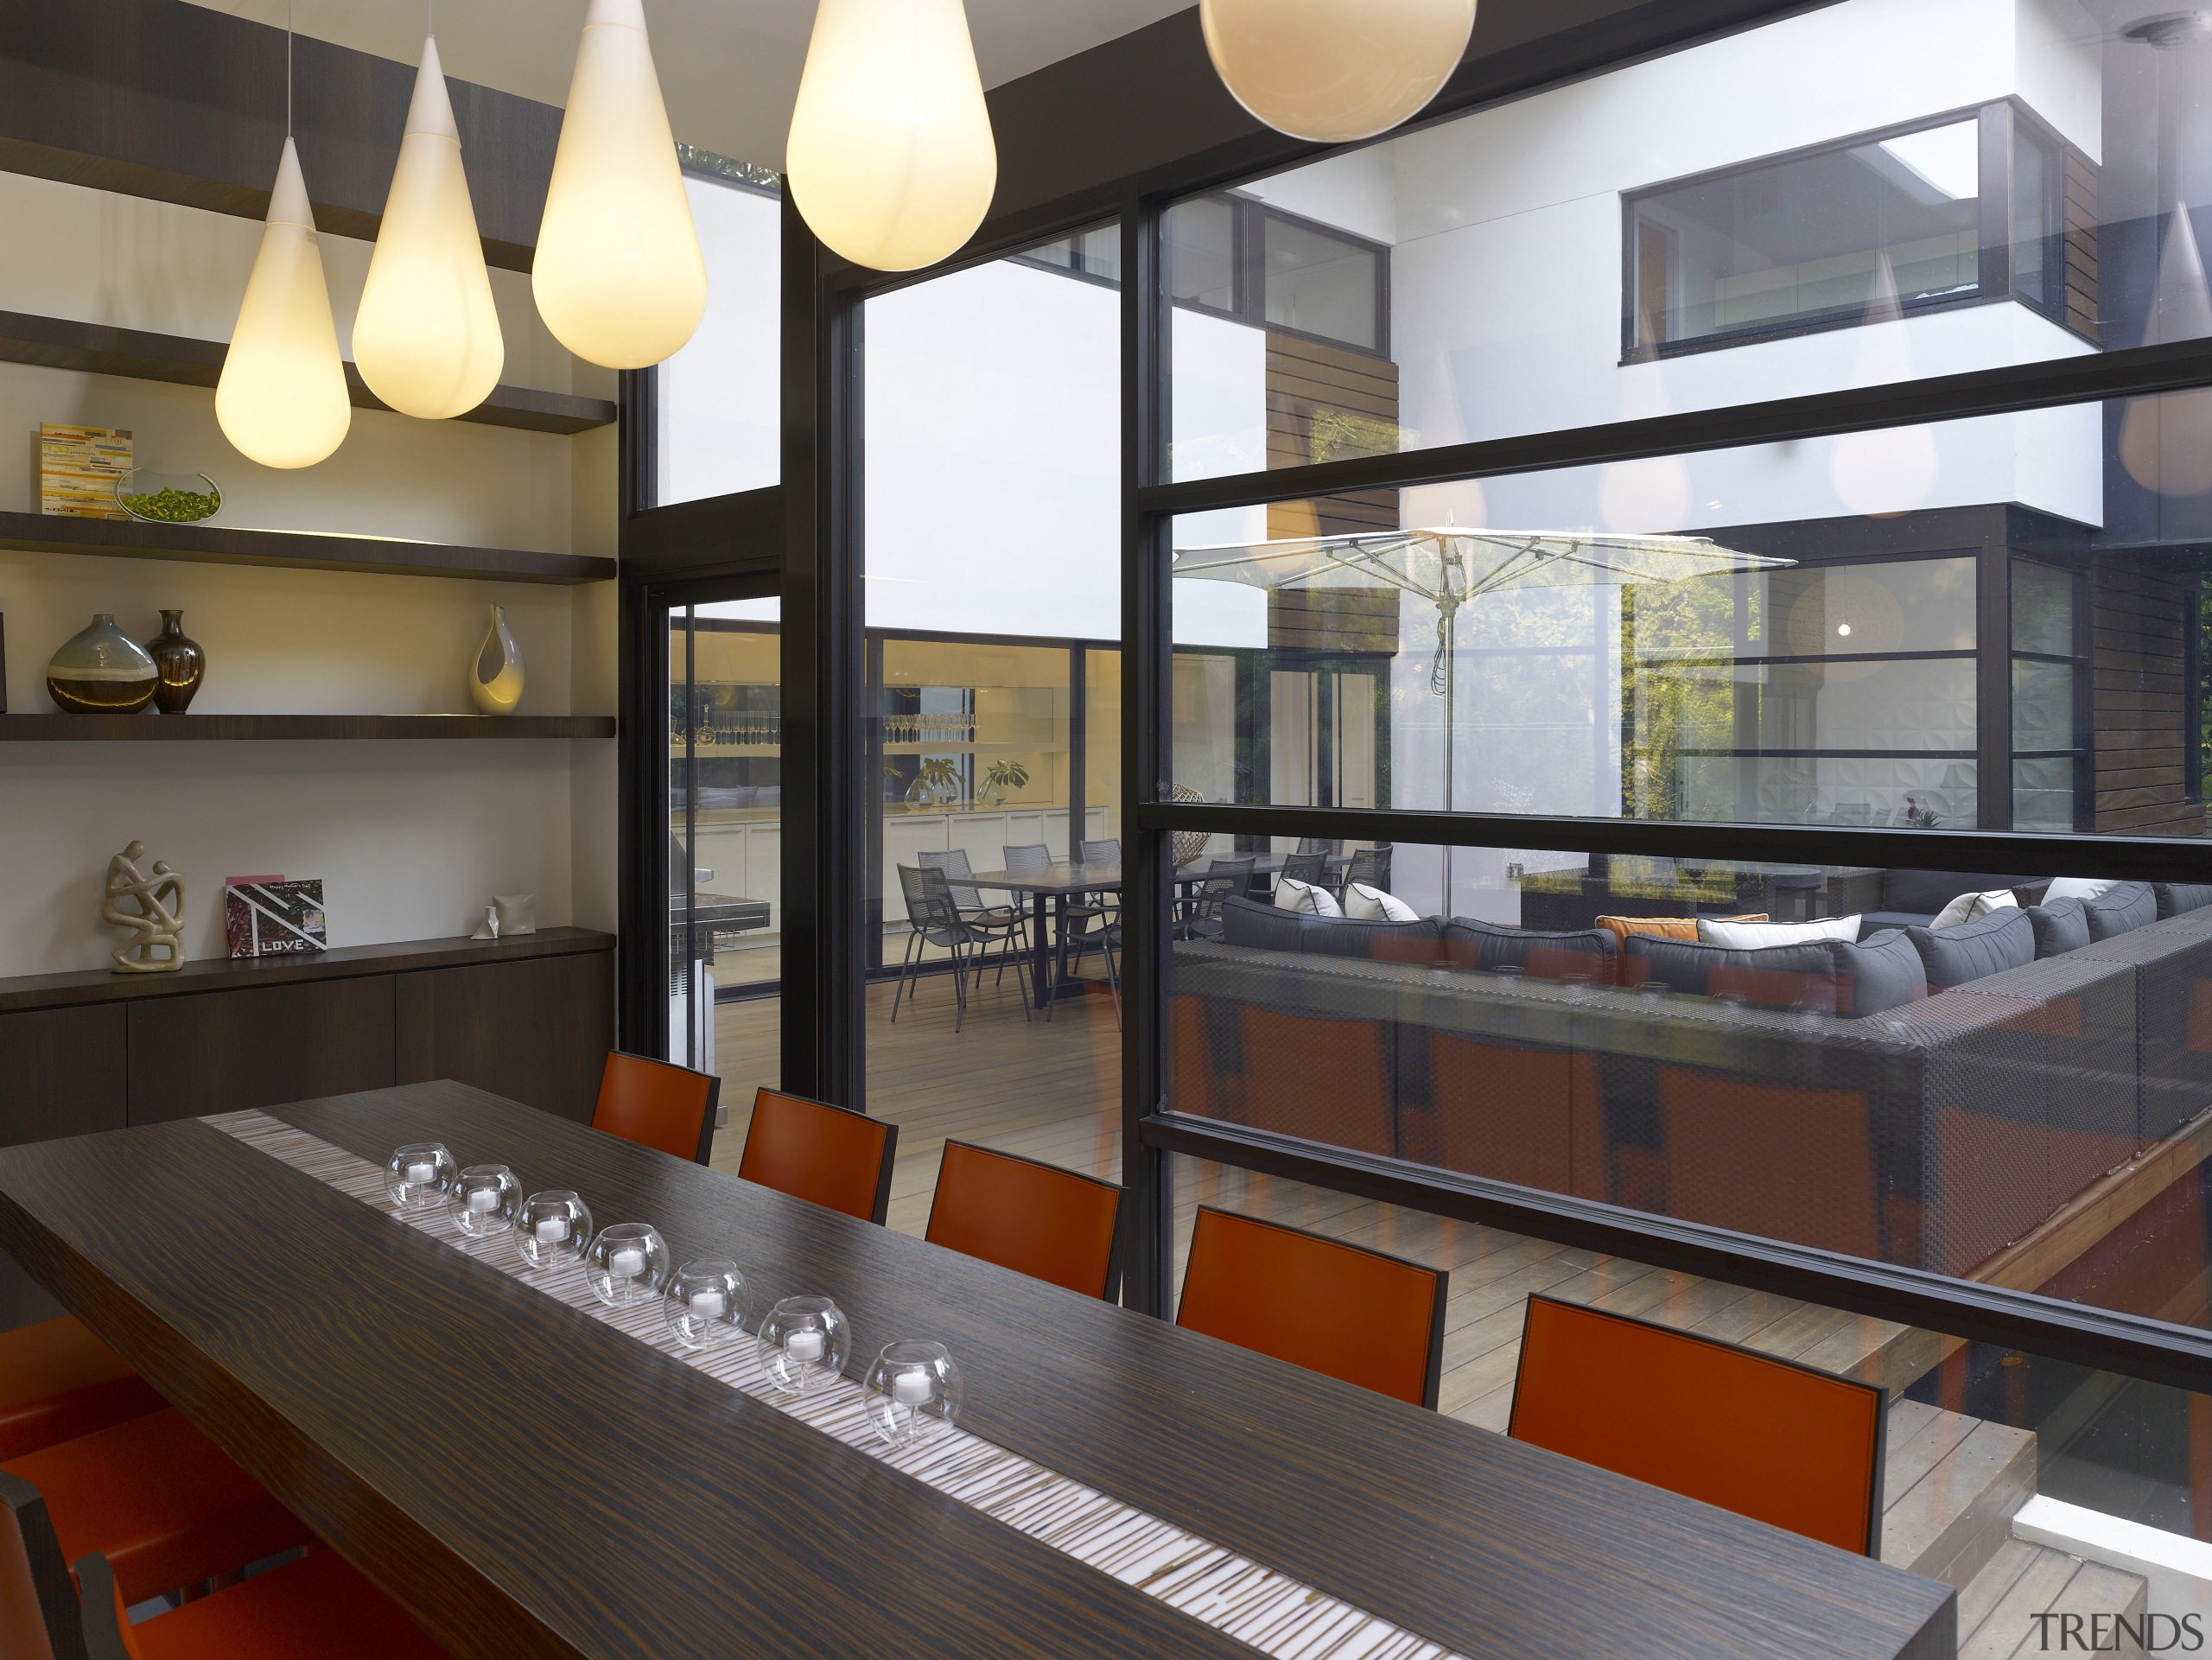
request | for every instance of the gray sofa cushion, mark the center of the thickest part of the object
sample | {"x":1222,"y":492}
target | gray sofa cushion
{"x":2061,"y":926}
{"x":1266,"y":928}
{"x":2002,"y":939}
{"x":1771,"y":976}
{"x":2176,"y":898}
{"x":2121,"y":910}
{"x":1873,"y":975}
{"x":1922,"y":894}
{"x":1593,"y":953}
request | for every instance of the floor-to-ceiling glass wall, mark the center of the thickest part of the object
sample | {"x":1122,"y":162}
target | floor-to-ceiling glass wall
{"x":725,"y":848}
{"x":992,"y":457}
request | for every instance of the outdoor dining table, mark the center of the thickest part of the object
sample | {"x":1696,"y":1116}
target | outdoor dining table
{"x":1046,"y":895}
{"x":529,"y":1475}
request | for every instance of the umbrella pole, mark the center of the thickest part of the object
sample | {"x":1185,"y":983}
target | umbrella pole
{"x":1450,"y":664}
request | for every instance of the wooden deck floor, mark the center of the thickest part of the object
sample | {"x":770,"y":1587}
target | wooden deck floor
{"x":1052,"y":1091}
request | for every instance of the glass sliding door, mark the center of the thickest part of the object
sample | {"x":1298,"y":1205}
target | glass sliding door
{"x":725,"y":848}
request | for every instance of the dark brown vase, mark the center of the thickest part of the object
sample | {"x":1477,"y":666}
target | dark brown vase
{"x":180,"y":661}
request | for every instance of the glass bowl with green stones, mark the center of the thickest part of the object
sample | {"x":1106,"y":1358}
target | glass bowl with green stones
{"x":169,"y":498}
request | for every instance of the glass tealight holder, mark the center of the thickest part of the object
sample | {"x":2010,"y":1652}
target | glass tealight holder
{"x":552,"y":1230}
{"x":914,"y":1390}
{"x":708,"y":1303}
{"x":483,"y":1200}
{"x":418,"y":1175}
{"x":628,"y":1263}
{"x":803,"y":1343}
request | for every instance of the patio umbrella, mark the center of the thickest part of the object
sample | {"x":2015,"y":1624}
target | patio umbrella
{"x":1451,"y":568}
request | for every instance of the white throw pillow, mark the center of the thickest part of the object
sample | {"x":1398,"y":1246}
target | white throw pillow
{"x":1365,"y":904}
{"x":1292,"y":894}
{"x":1750,"y":936}
{"x":1972,"y":907}
{"x":2078,"y":887}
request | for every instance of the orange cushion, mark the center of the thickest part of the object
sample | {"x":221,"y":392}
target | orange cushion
{"x":58,"y":1381}
{"x":161,"y":1501}
{"x":1665,"y":927}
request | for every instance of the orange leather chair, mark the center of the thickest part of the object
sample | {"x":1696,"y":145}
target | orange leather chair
{"x":160,"y":1500}
{"x":58,"y":1381}
{"x":1764,"y":1437}
{"x":649,"y":1102}
{"x":829,"y":1156}
{"x":317,"y":1608}
{"x":1370,"y":1320}
{"x":1035,"y":1219}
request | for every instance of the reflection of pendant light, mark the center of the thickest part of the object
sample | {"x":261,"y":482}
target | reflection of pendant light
{"x":617,"y":273}
{"x":427,"y":336}
{"x":890,"y":157}
{"x":2165,"y":440}
{"x":1335,"y":70}
{"x":282,"y":397}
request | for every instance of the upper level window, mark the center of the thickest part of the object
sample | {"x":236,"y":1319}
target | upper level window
{"x":1236,"y":256}
{"x":1953,"y":211}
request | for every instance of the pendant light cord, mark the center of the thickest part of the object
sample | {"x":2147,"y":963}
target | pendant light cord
{"x":288,"y":69}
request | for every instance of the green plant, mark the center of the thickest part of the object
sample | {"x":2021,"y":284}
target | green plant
{"x":937,"y":781}
{"x":1006,"y":775}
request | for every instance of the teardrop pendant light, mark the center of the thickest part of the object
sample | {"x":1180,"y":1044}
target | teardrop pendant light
{"x":282,"y":397}
{"x":427,"y":336}
{"x":618,"y":274}
{"x":1335,"y":70}
{"x":891,"y":159}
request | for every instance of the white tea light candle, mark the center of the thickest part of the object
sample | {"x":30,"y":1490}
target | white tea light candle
{"x":626,"y":1263}
{"x":551,"y":1230}
{"x":708,"y":1305}
{"x":803,"y":1345}
{"x":484,"y":1200}
{"x":419,"y":1175}
{"x":911,"y":1387}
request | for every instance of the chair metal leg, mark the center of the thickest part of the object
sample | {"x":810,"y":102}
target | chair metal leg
{"x":904,"y":967}
{"x":959,"y":990}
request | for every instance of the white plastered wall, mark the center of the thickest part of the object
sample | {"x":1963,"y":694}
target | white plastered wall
{"x":410,"y":838}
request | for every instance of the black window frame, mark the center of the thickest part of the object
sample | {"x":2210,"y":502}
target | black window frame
{"x":1145,"y":143}
{"x":1996,"y":122}
{"x":1250,"y":217}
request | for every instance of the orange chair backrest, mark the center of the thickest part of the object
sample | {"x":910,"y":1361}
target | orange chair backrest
{"x":1765,"y":1438}
{"x":1354,"y":1313}
{"x":657,"y":1105}
{"x":1034,"y":1218}
{"x":827,"y":1155}
{"x":24,"y":1615}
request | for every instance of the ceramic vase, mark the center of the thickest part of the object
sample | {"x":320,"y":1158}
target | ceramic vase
{"x":495,"y":676}
{"x":102,"y":671}
{"x":180,"y":663}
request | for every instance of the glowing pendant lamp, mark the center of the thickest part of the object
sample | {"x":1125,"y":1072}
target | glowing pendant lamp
{"x":282,"y":398}
{"x":618,"y":274}
{"x":891,"y":158}
{"x":1335,"y":70}
{"x":427,"y":336}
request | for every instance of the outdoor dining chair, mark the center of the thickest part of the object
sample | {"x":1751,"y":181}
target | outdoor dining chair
{"x":999,"y":925}
{"x":935,"y":920}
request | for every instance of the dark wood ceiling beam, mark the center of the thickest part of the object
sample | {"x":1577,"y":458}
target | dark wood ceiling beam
{"x":97,"y":348}
{"x":179,"y":103}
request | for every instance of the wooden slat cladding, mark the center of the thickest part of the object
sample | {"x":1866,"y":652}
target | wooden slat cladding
{"x":2141,"y":701}
{"x":1326,"y":403}
{"x":1334,"y":620}
{"x":2081,"y":225}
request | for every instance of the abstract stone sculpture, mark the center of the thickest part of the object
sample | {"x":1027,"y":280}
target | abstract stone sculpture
{"x":158,"y":926}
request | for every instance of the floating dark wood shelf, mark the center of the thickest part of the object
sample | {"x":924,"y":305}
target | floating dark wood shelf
{"x":216,"y":544}
{"x":149,"y":728}
{"x":96,"y":348}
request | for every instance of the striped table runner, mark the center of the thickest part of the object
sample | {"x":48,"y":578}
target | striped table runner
{"x":1275,"y":1614}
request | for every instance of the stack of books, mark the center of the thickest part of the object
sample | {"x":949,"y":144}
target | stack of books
{"x":77,"y":467}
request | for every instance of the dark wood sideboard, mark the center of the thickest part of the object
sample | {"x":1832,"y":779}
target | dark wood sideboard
{"x":530,"y":1018}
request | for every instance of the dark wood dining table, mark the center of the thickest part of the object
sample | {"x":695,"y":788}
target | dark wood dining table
{"x":1046,"y":894}
{"x":527,"y":1480}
